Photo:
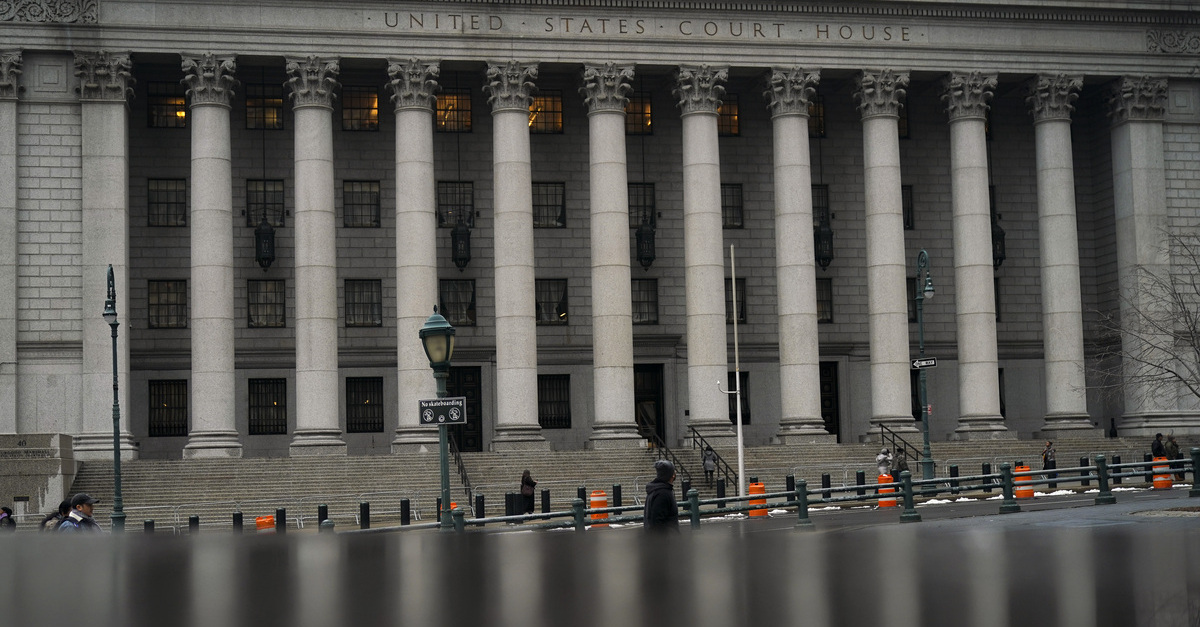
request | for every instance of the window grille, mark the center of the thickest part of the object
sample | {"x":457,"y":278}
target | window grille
{"x":549,"y":205}
{"x":911,"y":285}
{"x":167,"y":304}
{"x":551,"y":301}
{"x":641,"y":204}
{"x":645,"y":301}
{"x":360,"y":204}
{"x":458,"y":301}
{"x":820,"y":201}
{"x":364,"y":303}
{"x":360,"y":109}
{"x":166,"y":105}
{"x":741,"y":301}
{"x":554,"y":401}
{"x":731,"y":206}
{"x":168,"y":408}
{"x":454,"y":110}
{"x":745,"y":377}
{"x":546,"y":112}
{"x":264,"y":197}
{"x":902,"y":124}
{"x":364,"y":404}
{"x":455,"y":199}
{"x":268,"y":406}
{"x":264,"y":106}
{"x":265,"y":303}
{"x":906,"y":202}
{"x":816,"y":117}
{"x":166,"y":202}
{"x":728,"y":123}
{"x":824,"y":300}
{"x":638,"y":114}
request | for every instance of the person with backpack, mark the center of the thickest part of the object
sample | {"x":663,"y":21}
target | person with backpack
{"x":79,"y":519}
{"x":55,"y":518}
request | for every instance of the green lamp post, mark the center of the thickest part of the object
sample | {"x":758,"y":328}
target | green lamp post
{"x":110,"y":316}
{"x":923,"y":293}
{"x":437,"y":337}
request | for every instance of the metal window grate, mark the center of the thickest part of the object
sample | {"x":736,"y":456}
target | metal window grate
{"x":906,"y":203}
{"x":454,"y":110}
{"x":745,"y":377}
{"x":360,"y":204}
{"x":166,"y":105}
{"x":551,"y":301}
{"x":641,"y":204}
{"x":902,"y":125}
{"x":911,"y":285}
{"x":554,"y":401}
{"x":264,"y":197}
{"x":549,"y":205}
{"x":820,"y":201}
{"x":638,"y":114}
{"x":455,"y":199}
{"x":168,"y":408}
{"x":741,"y":301}
{"x":458,"y":301}
{"x":728,"y":122}
{"x":546,"y":112}
{"x":268,"y":406}
{"x":265,"y":303}
{"x":645,"y":301}
{"x":364,"y":303}
{"x":731,"y":206}
{"x":264,"y":106}
{"x":166,"y":202}
{"x":816,"y":117}
{"x":167,"y":304}
{"x":360,"y":109}
{"x":824,"y":300}
{"x":364,"y":404}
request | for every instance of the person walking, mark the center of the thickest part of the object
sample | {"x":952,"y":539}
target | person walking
{"x":55,"y":518}
{"x":79,"y":519}
{"x":709,"y":459}
{"x":527,"y":485}
{"x":1171,"y":450}
{"x":1049,"y":463}
{"x":1156,"y":447}
{"x":661,"y":512}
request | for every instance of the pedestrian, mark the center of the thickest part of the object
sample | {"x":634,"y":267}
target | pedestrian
{"x":709,"y":458}
{"x":900,"y":466}
{"x":1171,"y":449}
{"x":661,"y":511}
{"x":79,"y":519}
{"x":55,"y":518}
{"x":1156,"y":447}
{"x":884,"y":462}
{"x":1048,"y":460}
{"x":527,"y":485}
{"x":7,"y":524}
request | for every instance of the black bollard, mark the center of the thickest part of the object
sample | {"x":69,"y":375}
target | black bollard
{"x":237,"y":522}
{"x":616,"y":495}
{"x":1149,"y":469}
{"x":720,"y":493}
{"x":753,"y":479}
{"x":687,"y":485}
{"x":193,"y":524}
{"x":790,"y":482}
{"x":510,"y":504}
{"x":582,"y":494}
{"x":439,"y":509}
{"x":322,"y":514}
{"x":860,"y":479}
{"x":479,"y":511}
{"x":281,"y":520}
{"x":953,"y":478}
{"x":148,"y":526}
{"x":1083,"y":463}
{"x":546,"y":501}
{"x":825,"y":493}
{"x":364,"y":514}
{"x":986,"y":469}
{"x":405,"y":512}
{"x":1116,"y":461}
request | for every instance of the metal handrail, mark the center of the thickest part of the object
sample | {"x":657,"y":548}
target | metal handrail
{"x":723,"y":468}
{"x":886,"y":434}
{"x":462,"y":468}
{"x":664,"y":452}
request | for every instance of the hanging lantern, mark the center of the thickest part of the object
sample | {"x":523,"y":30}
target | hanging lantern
{"x":460,"y":245}
{"x":823,"y":241}
{"x":645,"y":244}
{"x":264,"y":244}
{"x":997,"y":242}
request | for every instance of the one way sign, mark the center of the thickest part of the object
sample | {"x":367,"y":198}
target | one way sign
{"x":925,"y":362}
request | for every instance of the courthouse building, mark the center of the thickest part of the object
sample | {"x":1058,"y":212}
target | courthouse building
{"x":596,"y":194}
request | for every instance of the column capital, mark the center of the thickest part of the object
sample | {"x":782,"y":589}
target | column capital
{"x":1137,"y":98}
{"x":414,"y":83}
{"x":967,"y":94}
{"x":789,"y":90}
{"x":10,"y":74}
{"x":700,"y":88}
{"x":880,"y":92}
{"x":606,"y":87}
{"x":209,"y":79}
{"x":312,"y":81}
{"x":510,"y":85}
{"x":1051,"y":96}
{"x":103,"y":75}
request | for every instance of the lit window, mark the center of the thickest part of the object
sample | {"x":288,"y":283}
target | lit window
{"x":360,"y":109}
{"x":824,"y":300}
{"x":264,"y":106}
{"x":166,"y":202}
{"x":458,"y":301}
{"x":166,"y":105}
{"x":554,"y":401}
{"x":265,"y":303}
{"x":360,"y":204}
{"x":546,"y":112}
{"x":816,"y":117}
{"x":549,"y":205}
{"x":264,"y":198}
{"x":638,"y":119}
{"x":168,"y":408}
{"x":454,"y":111}
{"x":364,"y":404}
{"x":364,"y":303}
{"x":551,"y":301}
{"x":732,"y":381}
{"x":641,"y":204}
{"x":727,"y":116}
{"x":268,"y":406}
{"x":731,"y":206}
{"x":167,"y":304}
{"x":741,"y":301}
{"x":645,"y":301}
{"x":455,"y":201}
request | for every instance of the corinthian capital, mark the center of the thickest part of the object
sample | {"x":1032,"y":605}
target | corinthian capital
{"x":1051,"y":96}
{"x":967,"y":94}
{"x":1137,"y":98}
{"x":880,"y":92}
{"x":103,"y":76}
{"x":312,"y":81}
{"x":789,"y":90}
{"x":700,"y":88}
{"x":10,"y":74}
{"x":606,"y":87}
{"x":510,"y":85}
{"x":209,"y":79}
{"x":413,"y":83}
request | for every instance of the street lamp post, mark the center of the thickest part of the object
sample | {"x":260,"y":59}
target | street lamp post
{"x":110,"y":316}
{"x":437,"y":338}
{"x":923,"y":292}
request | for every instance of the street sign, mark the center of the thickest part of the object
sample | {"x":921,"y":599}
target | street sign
{"x":925,"y":362}
{"x":444,"y":411}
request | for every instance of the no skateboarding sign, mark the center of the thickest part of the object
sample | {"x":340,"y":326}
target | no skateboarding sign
{"x":444,"y":411}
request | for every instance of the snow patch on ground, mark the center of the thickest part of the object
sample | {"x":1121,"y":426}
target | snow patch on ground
{"x":935,"y":502}
{"x":1055,"y":493}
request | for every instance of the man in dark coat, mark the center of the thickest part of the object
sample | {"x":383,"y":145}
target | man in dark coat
{"x":80,"y":520}
{"x":662,"y":512}
{"x":1156,"y":447}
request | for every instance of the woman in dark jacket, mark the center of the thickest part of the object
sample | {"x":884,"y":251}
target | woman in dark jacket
{"x":527,"y":485}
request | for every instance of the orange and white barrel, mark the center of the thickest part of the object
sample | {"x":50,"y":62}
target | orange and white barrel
{"x":1162,"y":474}
{"x":1022,"y":486}
{"x":890,"y":499}
{"x":758,"y":488}
{"x":599,"y":499}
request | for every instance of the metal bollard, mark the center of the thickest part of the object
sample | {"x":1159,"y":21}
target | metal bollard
{"x":825,"y":493}
{"x":1117,"y":462}
{"x":986,"y":469}
{"x":802,"y":520}
{"x":364,"y":514}
{"x":687,"y":485}
{"x":616,"y":495}
{"x":457,"y":515}
{"x":326,"y":526}
{"x":790,"y":482}
{"x":439,"y":509}
{"x":1106,"y":496}
{"x":910,"y":511}
{"x":281,"y":520}
{"x":1086,"y":473}
{"x":1195,"y":491}
{"x":193,"y":524}
{"x":1149,"y":469}
{"x":1009,"y":504}
{"x":582,"y":494}
{"x":147,"y":526}
{"x":546,"y":501}
{"x":577,"y":509}
{"x":753,"y":479}
{"x":237,"y":522}
{"x":405,"y":512}
{"x":509,"y":505}
{"x":720,"y":493}
{"x":693,"y":498}
{"x":479,"y":511}
{"x":954,"y":479}
{"x":322,"y":514}
{"x":860,"y":480}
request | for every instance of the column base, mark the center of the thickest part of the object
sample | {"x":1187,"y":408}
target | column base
{"x":314,"y":442}
{"x":213,"y":444}
{"x":99,"y":446}
{"x":615,"y":437}
{"x":519,"y":438}
{"x":715,"y":432}
{"x":901,"y":425}
{"x":1070,"y":426}
{"x":415,"y":440}
{"x":799,"y":432}
{"x":1147,"y":424}
{"x":982,"y":428}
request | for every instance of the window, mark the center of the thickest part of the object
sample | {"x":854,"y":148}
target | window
{"x":549,"y":205}
{"x":727,"y":116}
{"x":911,"y":284}
{"x":554,"y":401}
{"x":264,"y":106}
{"x":551,"y":301}
{"x":364,"y":404}
{"x":546,"y":112}
{"x":264,"y":197}
{"x":914,"y":392}
{"x":645,"y":301}
{"x":454,"y":110}
{"x":265,"y":302}
{"x":824,"y":300}
{"x":166,"y":202}
{"x":741,"y":301}
{"x":1000,"y":376}
{"x":166,"y":105}
{"x":906,"y":203}
{"x":731,"y":206}
{"x":816,"y":117}
{"x":638,"y":119}
{"x":641,"y":204}
{"x":364,"y":303}
{"x":360,"y":204}
{"x":458,"y":301}
{"x":902,"y":125}
{"x":732,"y":382}
{"x":168,"y":408}
{"x":268,"y":406}
{"x":167,"y":304}
{"x":455,"y":200}
{"x":996,"y":295}
{"x":820,"y":201}
{"x":360,"y":109}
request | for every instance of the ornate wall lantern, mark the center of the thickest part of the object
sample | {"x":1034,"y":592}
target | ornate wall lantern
{"x":823,"y":241}
{"x":997,"y":242}
{"x":460,"y":245}
{"x":264,"y":243}
{"x":645,"y":244}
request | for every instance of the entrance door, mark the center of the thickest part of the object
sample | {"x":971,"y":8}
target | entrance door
{"x":829,"y":398}
{"x":467,"y":381}
{"x":648,"y":401}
